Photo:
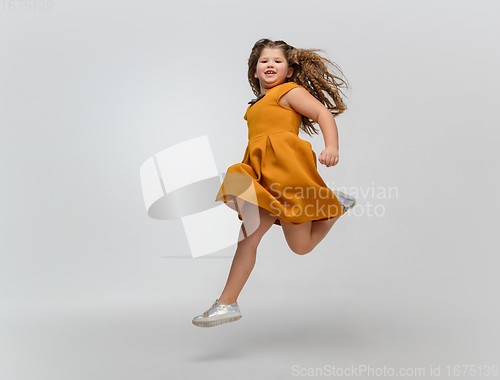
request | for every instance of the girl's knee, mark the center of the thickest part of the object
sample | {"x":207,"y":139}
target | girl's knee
{"x":301,"y":250}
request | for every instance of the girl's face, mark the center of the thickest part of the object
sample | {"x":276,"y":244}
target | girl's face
{"x":272,"y":69}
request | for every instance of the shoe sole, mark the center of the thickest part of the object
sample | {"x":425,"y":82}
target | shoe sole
{"x":347,"y":197}
{"x":216,"y":322}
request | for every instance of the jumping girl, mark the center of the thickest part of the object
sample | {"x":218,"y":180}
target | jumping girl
{"x":277,"y":181}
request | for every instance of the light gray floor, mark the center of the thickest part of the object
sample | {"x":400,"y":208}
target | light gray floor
{"x":333,"y":307}
{"x":92,"y":288}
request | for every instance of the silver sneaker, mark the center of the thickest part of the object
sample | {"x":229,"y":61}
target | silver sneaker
{"x":347,"y":201}
{"x":218,"y":314}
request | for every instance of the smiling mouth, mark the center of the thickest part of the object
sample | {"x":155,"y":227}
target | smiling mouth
{"x":269,"y":72}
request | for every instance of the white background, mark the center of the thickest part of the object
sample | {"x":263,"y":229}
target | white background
{"x":92,"y":89}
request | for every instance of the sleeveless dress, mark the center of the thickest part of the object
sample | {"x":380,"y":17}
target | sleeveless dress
{"x":281,"y":166}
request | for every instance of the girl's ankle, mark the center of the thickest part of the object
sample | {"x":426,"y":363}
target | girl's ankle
{"x":226,"y":303}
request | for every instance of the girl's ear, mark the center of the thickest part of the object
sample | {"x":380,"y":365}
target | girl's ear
{"x":290,"y":72}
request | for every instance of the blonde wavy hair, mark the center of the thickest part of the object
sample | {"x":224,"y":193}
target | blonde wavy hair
{"x":311,"y":71}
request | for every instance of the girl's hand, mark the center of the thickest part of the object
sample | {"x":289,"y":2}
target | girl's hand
{"x":329,"y":157}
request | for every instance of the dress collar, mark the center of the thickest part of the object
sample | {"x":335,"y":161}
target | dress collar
{"x":253,"y":101}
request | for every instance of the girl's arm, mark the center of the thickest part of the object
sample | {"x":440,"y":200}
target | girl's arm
{"x":304,"y":103}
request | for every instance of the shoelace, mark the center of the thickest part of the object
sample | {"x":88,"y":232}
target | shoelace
{"x":211,"y":307}
{"x":215,"y":303}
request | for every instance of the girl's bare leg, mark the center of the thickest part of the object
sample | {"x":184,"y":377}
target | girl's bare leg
{"x":246,"y":252}
{"x":303,"y":238}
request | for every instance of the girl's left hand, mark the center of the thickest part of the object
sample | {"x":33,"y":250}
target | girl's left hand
{"x":329,"y":157}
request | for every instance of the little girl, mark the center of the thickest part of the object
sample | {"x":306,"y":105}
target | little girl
{"x":278,"y":167}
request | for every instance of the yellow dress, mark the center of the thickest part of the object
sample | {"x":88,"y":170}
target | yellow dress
{"x":281,"y":166}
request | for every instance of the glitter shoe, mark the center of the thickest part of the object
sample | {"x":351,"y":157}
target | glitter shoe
{"x":347,"y":201}
{"x":218,"y":314}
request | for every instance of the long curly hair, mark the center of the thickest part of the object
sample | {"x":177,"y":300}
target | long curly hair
{"x":310,"y":70}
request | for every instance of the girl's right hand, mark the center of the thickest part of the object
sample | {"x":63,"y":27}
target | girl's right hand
{"x":329,"y":157}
